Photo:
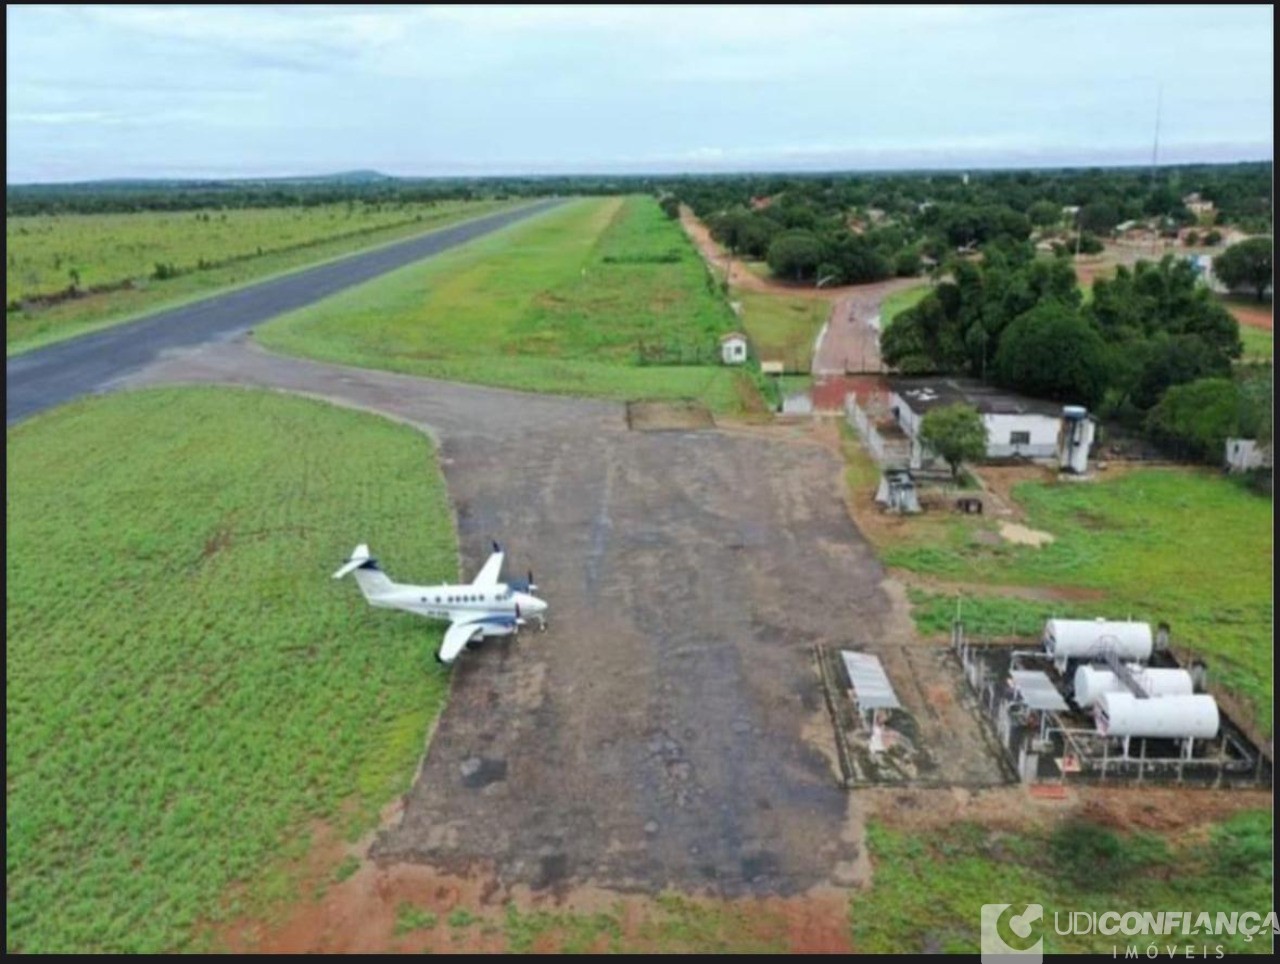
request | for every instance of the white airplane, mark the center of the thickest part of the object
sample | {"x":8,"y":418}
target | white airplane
{"x":486,"y":607}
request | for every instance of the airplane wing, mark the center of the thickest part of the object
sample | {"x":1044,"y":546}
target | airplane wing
{"x":491,"y":570}
{"x":455,"y":637}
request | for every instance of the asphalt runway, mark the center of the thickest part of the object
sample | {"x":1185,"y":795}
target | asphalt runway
{"x":92,"y":363}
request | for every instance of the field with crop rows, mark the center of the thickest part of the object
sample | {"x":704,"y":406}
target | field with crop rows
{"x":603,"y":297}
{"x":126,"y":264}
{"x":929,"y":886}
{"x":188,"y":691}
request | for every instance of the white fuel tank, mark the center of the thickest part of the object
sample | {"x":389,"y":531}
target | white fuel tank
{"x":1092,"y":681}
{"x":1087,"y":638}
{"x":1171,"y":717}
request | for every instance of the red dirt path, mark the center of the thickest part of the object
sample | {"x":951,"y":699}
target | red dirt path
{"x":1255,"y":316}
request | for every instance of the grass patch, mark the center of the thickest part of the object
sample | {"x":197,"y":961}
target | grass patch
{"x":673,"y":923}
{"x":1259,"y":344}
{"x":187,"y":689}
{"x":991,"y":615}
{"x":782,"y":327}
{"x":567,"y":302}
{"x":347,"y":869}
{"x":410,"y":917}
{"x":238,"y":247}
{"x":928,"y":887}
{"x":687,"y":925}
{"x":569,"y":932}
{"x":1187,"y":547}
{"x":462,"y":918}
{"x":899,"y":301}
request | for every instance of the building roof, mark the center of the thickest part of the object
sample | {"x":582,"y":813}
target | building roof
{"x":923,"y":394}
{"x":871,"y":688}
{"x":732,"y":334}
{"x":1037,"y":690}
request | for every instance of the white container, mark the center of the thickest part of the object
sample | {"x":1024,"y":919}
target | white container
{"x":1171,"y":717}
{"x":1092,"y":681}
{"x":1090,"y":638}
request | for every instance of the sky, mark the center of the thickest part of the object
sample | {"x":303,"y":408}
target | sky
{"x":233,"y":91}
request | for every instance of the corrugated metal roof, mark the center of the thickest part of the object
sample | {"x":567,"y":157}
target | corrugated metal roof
{"x":1037,"y":690}
{"x":870,"y":685}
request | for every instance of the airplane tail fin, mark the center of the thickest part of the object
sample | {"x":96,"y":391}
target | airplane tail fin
{"x":373,"y":581}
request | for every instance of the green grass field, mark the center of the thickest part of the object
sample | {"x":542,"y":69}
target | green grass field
{"x":1187,"y":547}
{"x":188,"y":690}
{"x":236,"y":246}
{"x":928,"y":887}
{"x":1259,"y":344}
{"x":899,"y":301}
{"x":563,"y":303}
{"x":783,"y":327}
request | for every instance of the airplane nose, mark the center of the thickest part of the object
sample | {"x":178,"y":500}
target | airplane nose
{"x":532,"y":604}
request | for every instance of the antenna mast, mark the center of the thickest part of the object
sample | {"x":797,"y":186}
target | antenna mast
{"x":1155,"y":155}
{"x":1155,"y":147}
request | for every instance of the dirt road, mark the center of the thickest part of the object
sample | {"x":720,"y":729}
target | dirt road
{"x":847,"y":357}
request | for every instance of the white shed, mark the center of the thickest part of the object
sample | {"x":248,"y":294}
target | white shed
{"x":1244,"y":454}
{"x":733,"y":348}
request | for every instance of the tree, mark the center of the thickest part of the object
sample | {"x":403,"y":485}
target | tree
{"x":1167,"y":361}
{"x":1045,"y":214}
{"x":907,"y":264}
{"x":670,"y":205}
{"x":1099,"y":217}
{"x":1052,"y":352}
{"x":956,"y":433}
{"x":1246,"y":264}
{"x":1198,"y":418}
{"x":795,"y":255}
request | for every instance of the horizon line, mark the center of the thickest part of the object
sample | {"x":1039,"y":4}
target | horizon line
{"x":652,"y":173}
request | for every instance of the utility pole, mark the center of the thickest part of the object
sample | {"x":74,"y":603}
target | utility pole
{"x":1155,"y":154}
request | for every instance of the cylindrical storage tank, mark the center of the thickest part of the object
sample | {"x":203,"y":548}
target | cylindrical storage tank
{"x":1170,"y":717}
{"x":1162,"y":683}
{"x":1092,"y":681}
{"x":1089,"y":638}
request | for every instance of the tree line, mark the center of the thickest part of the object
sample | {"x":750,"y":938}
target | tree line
{"x":1153,"y":349}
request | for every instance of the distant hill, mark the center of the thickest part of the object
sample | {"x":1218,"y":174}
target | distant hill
{"x":344,"y":178}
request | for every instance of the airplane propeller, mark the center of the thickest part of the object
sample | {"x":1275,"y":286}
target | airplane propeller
{"x":523,"y":585}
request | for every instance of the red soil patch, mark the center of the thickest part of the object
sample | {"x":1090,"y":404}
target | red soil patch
{"x":1255,"y":316}
{"x":388,"y":908}
{"x":1159,"y":809}
{"x":829,"y":391}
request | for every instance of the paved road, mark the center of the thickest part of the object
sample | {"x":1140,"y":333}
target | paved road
{"x":50,"y":376}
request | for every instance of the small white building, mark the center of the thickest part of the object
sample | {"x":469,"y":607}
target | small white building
{"x":1017,"y":427}
{"x":733,"y":348}
{"x":1244,"y":454}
